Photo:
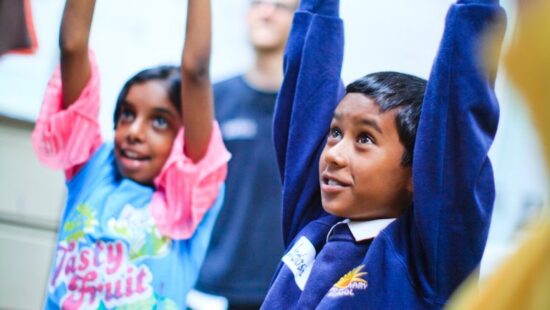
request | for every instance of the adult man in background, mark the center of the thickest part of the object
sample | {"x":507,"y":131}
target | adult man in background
{"x":247,"y":242}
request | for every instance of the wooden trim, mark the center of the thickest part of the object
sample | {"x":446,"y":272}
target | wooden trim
{"x":26,"y":221}
{"x":6,"y":120}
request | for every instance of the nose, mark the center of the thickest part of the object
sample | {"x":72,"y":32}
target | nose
{"x":337,"y":154}
{"x":136,"y":131}
{"x":266,"y":8}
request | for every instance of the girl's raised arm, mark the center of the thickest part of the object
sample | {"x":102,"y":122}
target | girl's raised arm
{"x":197,"y":100}
{"x":73,"y":41}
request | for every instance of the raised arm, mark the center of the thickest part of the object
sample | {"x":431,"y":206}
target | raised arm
{"x":73,"y":41}
{"x":453,"y":179}
{"x":197,"y":99}
{"x":67,"y":130}
{"x":310,"y":91}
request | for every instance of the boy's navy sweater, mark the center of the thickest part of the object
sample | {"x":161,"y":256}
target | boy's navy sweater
{"x":418,"y":260}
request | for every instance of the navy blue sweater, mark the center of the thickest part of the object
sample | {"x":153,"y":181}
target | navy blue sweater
{"x":419,"y":259}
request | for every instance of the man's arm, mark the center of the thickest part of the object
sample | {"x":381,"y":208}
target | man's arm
{"x":453,"y":179}
{"x":310,"y":91}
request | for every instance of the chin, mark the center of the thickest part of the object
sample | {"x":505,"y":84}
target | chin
{"x":135,"y":177}
{"x":337,"y":209}
{"x":265,"y":44}
{"x":330,"y":208}
{"x":141,"y":180}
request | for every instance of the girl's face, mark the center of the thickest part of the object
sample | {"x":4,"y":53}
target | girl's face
{"x":145,"y":131}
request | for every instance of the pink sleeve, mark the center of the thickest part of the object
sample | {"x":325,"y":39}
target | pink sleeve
{"x":65,"y":139}
{"x":186,"y":190}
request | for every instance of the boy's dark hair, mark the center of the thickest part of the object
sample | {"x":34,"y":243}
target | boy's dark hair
{"x":394,"y":90}
{"x":166,"y":73}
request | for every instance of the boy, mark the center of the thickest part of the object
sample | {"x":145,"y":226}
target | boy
{"x":376,"y":245}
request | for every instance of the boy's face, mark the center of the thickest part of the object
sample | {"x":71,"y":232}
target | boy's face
{"x":360,"y":169}
{"x":269,"y":23}
{"x":145,"y":131}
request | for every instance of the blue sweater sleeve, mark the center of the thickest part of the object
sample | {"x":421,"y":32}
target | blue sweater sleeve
{"x":310,"y":91}
{"x":453,"y":179}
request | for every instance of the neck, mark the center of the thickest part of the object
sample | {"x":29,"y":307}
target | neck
{"x":266,"y":73}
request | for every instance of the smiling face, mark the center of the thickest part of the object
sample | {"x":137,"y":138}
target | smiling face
{"x":269,"y":23}
{"x":360,"y":169}
{"x":145,"y":131}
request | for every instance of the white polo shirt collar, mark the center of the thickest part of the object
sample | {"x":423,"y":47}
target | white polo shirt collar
{"x":364,"y":230}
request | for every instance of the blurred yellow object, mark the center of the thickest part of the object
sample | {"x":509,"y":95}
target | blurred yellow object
{"x":523,"y":281}
{"x":528,"y":62}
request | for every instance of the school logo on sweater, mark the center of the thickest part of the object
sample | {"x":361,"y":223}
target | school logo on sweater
{"x":349,"y":283}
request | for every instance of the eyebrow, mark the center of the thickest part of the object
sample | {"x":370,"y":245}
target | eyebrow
{"x":365,"y":121}
{"x":163,"y":111}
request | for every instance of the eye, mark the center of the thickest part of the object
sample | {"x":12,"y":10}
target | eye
{"x":126,"y":115}
{"x":364,"y":139}
{"x":335,"y":133}
{"x":160,"y":122}
{"x":282,"y":6}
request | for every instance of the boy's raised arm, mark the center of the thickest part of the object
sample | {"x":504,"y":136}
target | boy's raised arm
{"x":310,"y":91}
{"x":453,"y":179}
{"x":196,"y":88}
{"x":73,"y":41}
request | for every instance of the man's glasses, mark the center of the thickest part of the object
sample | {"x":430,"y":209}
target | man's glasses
{"x":278,"y":5}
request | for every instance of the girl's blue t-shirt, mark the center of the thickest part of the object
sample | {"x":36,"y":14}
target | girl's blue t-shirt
{"x":109,"y":252}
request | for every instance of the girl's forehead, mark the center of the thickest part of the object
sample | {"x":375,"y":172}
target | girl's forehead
{"x":151,"y":88}
{"x":150,"y":94}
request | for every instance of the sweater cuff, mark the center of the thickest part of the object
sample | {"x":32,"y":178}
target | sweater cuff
{"x":321,"y":7}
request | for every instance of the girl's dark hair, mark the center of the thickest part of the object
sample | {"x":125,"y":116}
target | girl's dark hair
{"x":394,"y":90}
{"x":168,"y":74}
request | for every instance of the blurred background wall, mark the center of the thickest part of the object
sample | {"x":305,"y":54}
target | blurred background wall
{"x":128,"y":35}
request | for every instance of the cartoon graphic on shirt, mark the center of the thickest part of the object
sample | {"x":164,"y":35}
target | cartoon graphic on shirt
{"x":83,"y":223}
{"x":349,"y":283}
{"x":106,"y":273}
{"x":138,"y":228}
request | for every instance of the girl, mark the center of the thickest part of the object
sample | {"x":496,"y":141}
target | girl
{"x":137,"y":221}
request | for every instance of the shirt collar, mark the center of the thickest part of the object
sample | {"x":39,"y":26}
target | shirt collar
{"x":364,"y":230}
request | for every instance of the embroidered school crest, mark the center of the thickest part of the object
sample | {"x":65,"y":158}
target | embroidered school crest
{"x":349,"y":283}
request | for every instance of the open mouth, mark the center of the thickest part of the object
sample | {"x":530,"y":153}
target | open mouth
{"x":132,"y":160}
{"x":332,"y":184}
{"x":133,"y":155}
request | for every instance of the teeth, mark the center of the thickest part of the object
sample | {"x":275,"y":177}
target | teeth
{"x":334,"y":183}
{"x":131,"y":155}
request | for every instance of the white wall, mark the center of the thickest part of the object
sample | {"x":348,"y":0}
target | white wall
{"x":129,"y":35}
